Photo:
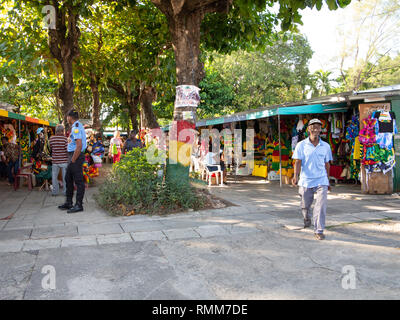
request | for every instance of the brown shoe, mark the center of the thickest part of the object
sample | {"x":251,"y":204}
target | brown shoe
{"x":319,"y":236}
{"x":307,"y":223}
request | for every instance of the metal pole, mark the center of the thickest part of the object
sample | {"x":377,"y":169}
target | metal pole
{"x":280,"y":153}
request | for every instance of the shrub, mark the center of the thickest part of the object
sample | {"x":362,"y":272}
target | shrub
{"x":133,"y":187}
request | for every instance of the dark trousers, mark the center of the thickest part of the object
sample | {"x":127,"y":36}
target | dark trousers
{"x":12,"y":170}
{"x":3,"y":170}
{"x":73,"y":175}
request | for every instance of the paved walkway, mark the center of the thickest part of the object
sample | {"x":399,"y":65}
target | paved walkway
{"x":36,"y":222}
{"x":255,"y":249}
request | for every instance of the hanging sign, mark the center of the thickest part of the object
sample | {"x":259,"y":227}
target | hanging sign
{"x":187,"y":96}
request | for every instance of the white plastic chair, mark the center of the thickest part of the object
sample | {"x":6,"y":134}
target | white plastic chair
{"x":209,"y":174}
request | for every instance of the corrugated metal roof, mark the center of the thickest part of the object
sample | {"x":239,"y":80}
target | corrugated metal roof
{"x":395,"y":87}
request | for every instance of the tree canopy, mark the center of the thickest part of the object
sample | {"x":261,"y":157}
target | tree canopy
{"x":124,"y":58}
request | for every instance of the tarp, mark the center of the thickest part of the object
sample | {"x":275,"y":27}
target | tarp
{"x":306,"y":109}
{"x":17,"y":116}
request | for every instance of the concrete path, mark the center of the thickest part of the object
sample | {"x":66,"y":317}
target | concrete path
{"x":256,"y":249}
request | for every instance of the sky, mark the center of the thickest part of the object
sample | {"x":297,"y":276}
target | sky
{"x":321,"y":30}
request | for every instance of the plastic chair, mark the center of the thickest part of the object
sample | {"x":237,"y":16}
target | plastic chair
{"x":210,"y":173}
{"x":25,"y":175}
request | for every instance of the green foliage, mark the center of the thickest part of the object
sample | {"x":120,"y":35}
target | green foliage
{"x":216,"y":95}
{"x":321,"y":85}
{"x":259,"y":78}
{"x":135,"y":185}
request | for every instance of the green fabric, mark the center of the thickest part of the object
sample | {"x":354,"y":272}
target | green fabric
{"x":46,"y":175}
{"x":114,"y":149}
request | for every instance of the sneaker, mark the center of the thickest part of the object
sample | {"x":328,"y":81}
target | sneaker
{"x":307,"y":223}
{"x":319,"y":236}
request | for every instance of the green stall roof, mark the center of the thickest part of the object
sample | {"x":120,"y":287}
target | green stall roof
{"x":305,"y":109}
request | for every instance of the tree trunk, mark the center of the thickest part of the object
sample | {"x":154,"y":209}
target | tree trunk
{"x":64,"y":46}
{"x":147,"y":96}
{"x":184,"y":22}
{"x":94,"y":86}
{"x":185,"y":31}
{"x":67,"y":89}
{"x":133,"y":112}
{"x":133,"y":101}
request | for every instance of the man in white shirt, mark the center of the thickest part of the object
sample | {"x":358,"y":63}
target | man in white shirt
{"x":312,"y":157}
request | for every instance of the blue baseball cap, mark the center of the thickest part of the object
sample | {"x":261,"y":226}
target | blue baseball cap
{"x":39,"y":130}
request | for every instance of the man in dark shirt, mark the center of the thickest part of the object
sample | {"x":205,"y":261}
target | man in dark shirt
{"x":131,"y":143}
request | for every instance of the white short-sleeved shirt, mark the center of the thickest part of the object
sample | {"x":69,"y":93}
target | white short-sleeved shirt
{"x":313,"y":159}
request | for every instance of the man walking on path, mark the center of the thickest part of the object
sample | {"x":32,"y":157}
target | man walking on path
{"x":76,"y":157}
{"x":312,"y":155}
{"x":58,"y":145}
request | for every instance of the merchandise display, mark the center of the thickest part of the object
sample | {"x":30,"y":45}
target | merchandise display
{"x":376,"y":139}
{"x":33,"y":135}
{"x":340,"y":130}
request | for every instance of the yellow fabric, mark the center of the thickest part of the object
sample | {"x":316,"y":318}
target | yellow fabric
{"x":3,"y":113}
{"x":357,"y":153}
{"x":260,"y":171}
{"x":180,"y":152}
{"x":290,"y":172}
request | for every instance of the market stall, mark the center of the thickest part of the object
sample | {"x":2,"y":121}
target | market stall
{"x":278,"y":130}
{"x":23,"y":130}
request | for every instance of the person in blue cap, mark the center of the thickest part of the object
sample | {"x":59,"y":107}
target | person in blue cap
{"x":76,"y":157}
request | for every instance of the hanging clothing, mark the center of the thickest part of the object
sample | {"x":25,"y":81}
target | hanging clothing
{"x":356,"y":149}
{"x":386,"y":121}
{"x":367,"y":134}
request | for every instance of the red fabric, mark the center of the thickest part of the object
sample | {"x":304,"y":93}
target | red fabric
{"x":117,"y":157}
{"x":335,"y":171}
{"x":177,"y":127}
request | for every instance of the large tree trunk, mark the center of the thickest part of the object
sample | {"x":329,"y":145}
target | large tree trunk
{"x":64,"y":46}
{"x":94,"y":86}
{"x":185,"y":32}
{"x":67,"y":89}
{"x":184,"y":21}
{"x":147,"y":97}
{"x":132,"y":100}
